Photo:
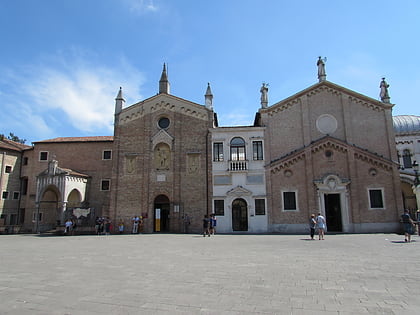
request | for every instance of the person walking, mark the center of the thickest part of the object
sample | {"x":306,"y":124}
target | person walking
{"x":213,"y":223}
{"x":408,"y":225}
{"x":312,"y":224}
{"x":321,"y":225}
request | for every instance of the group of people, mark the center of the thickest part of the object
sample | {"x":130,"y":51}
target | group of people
{"x":318,"y":223}
{"x":209,"y":225}
{"x":103,"y":226}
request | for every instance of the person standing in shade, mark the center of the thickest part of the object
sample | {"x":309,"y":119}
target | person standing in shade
{"x":312,"y":224}
{"x":408,"y":225}
{"x":321,"y":225}
{"x":206,"y":226}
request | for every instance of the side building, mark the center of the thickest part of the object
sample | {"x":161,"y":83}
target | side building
{"x":11,"y":163}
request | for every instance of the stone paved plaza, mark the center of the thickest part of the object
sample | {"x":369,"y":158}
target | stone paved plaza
{"x":222,"y":274}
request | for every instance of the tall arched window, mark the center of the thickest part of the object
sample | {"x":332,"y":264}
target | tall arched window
{"x":237,"y":149}
{"x":407,"y":159}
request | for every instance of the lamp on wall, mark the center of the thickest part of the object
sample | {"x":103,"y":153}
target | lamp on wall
{"x":416,"y":173}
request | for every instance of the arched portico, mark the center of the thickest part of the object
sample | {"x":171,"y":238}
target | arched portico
{"x":56,"y":187}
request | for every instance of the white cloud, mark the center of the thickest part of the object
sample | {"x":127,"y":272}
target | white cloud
{"x":68,"y":91}
{"x":141,"y":6}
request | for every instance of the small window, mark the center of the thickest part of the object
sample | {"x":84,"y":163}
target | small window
{"x":107,"y":155}
{"x":16,"y":195}
{"x":5,"y":195}
{"x":407,"y":159}
{"x":24,"y":185}
{"x":43,"y":156}
{"x":105,"y":184}
{"x":219,"y":207}
{"x":259,"y":206}
{"x":376,"y":199}
{"x":34,"y":216}
{"x":237,"y":149}
{"x":257,"y":147}
{"x":289,"y":201}
{"x":25,"y":160}
{"x":218,"y":151}
{"x":163,"y":123}
{"x":8,"y":169}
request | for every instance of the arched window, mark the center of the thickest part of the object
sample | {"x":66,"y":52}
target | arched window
{"x":237,"y":149}
{"x":407,"y":159}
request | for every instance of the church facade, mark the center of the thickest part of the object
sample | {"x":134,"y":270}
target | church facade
{"x":325,"y":149}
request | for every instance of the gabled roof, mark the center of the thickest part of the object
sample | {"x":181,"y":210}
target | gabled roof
{"x":329,"y":85}
{"x":164,"y":95}
{"x":78,"y":139}
{"x":12,"y":145}
{"x":328,"y":141}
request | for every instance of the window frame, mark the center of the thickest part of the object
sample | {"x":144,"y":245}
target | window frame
{"x":16,"y":195}
{"x":218,"y":155}
{"x":40,"y":156}
{"x":5,"y":195}
{"x":257,"y":150}
{"x":381,"y":190}
{"x":237,"y":151}
{"x":8,"y":169}
{"x":102,"y":184}
{"x":103,"y":155}
{"x":406,"y":159}
{"x":283,"y":203}
{"x":262,"y":202}
{"x":217,"y":210}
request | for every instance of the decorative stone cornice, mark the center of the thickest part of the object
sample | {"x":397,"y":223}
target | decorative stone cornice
{"x":285,"y":164}
{"x":163,"y":102}
{"x":373,"y":161}
{"x":239,"y":191}
{"x":369,"y":105}
{"x":281,"y":107}
{"x":329,"y":144}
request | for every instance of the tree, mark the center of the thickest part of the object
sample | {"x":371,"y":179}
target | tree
{"x":14,"y":138}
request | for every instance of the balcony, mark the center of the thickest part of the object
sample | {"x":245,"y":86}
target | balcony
{"x":238,"y":166}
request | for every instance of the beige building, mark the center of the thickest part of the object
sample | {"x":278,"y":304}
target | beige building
{"x":324,"y":149}
{"x":407,"y":133}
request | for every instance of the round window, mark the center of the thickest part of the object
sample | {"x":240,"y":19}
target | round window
{"x":163,"y":123}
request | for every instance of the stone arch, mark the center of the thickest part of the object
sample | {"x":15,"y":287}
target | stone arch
{"x":74,"y":198}
{"x":48,"y":210}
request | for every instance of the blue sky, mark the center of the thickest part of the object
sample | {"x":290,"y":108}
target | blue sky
{"x":62,"y":62}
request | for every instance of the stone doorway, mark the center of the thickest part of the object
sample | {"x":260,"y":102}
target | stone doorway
{"x":239,"y":215}
{"x":161,"y":214}
{"x":333,"y":212}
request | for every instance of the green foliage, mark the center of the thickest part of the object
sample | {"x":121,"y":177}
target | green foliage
{"x":13,"y":137}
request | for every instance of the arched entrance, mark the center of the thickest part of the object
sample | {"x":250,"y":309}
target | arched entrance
{"x":74,"y":199}
{"x":161,"y":214}
{"x":49,"y":212}
{"x":239,"y":215}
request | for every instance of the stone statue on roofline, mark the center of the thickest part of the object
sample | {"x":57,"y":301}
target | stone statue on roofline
{"x":322,"y":76}
{"x":384,"y":91}
{"x":264,"y":95}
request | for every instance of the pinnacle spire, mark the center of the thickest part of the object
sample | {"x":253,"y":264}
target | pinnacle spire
{"x":208,"y":97}
{"x":164,"y":86}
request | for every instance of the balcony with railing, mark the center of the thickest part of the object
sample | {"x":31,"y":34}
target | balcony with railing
{"x":238,"y":166}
